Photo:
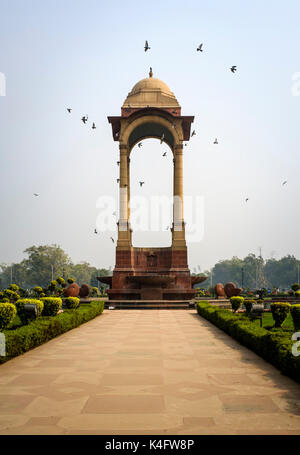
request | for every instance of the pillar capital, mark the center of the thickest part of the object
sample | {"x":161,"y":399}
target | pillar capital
{"x":178,"y":148}
{"x":123,"y":148}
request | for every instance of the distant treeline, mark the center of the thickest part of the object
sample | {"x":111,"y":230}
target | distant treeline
{"x":45,"y":263}
{"x":254,"y":272}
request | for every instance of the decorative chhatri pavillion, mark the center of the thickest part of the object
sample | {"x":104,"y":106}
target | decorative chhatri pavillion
{"x":161,"y":274}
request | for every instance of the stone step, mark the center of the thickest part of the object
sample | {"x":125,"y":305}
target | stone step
{"x":148,"y":304}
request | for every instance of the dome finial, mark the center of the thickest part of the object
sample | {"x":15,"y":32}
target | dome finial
{"x":150,"y":72}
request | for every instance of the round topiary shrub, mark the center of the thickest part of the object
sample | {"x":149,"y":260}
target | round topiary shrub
{"x":38,"y":290}
{"x":71,"y":280}
{"x":248,"y":304}
{"x":72,"y":302}
{"x":12,"y":296}
{"x":297,"y":294}
{"x":94,"y":291}
{"x":14,"y":287}
{"x":51,"y":305}
{"x":236,"y":302}
{"x":61,"y":281}
{"x":8,"y":312}
{"x":280,"y":311}
{"x":295,"y":312}
{"x":52,"y":286}
{"x":24,"y":315}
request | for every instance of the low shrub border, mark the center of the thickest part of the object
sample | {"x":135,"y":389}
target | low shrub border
{"x":274,"y":345}
{"x":45,"y":328}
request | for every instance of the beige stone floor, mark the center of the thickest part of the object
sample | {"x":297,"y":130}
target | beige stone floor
{"x":146,"y":372}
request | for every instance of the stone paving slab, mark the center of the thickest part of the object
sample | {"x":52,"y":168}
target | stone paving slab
{"x":146,"y":372}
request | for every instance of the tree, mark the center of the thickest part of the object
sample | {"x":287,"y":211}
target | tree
{"x":44,"y":263}
{"x":14,"y":273}
{"x":282,"y":273}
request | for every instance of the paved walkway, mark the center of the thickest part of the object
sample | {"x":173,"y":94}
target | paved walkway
{"x":146,"y":372}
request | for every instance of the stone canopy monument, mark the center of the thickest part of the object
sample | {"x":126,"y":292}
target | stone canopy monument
{"x":151,"y":110}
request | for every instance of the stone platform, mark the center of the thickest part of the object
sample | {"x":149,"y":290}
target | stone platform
{"x":149,"y":304}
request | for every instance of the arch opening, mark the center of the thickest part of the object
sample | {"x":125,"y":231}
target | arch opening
{"x":150,"y":130}
{"x":151,"y":205}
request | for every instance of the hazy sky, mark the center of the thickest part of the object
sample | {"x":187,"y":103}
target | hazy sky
{"x":87,"y":56}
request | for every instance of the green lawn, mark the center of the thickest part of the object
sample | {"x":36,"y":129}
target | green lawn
{"x":269,"y":321}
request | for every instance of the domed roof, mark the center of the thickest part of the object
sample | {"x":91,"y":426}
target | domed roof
{"x":151,"y":92}
{"x":151,"y":83}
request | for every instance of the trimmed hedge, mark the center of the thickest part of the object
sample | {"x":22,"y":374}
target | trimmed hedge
{"x":20,"y":309}
{"x":72,"y":302}
{"x":248,"y":304}
{"x":274,"y":345}
{"x":295,"y":313}
{"x":236,"y":302}
{"x":280,"y":311}
{"x":51,"y":305}
{"x":8,"y":312}
{"x":44,"y":329}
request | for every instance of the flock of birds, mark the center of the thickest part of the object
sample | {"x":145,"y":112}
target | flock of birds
{"x":84,"y":119}
{"x":233,"y":69}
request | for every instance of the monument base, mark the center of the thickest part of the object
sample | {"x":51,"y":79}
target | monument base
{"x":151,"y":274}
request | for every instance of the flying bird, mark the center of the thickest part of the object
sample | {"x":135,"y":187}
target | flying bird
{"x":233,"y":69}
{"x":199,"y":48}
{"x":216,"y":141}
{"x":162,"y":138}
{"x":69,"y":110}
{"x":165,"y":154}
{"x":35,"y":194}
{"x":113,"y":240}
{"x":94,"y":126}
{"x":95,"y":231}
{"x":146,"y":46}
{"x":284,"y":183}
{"x":193,"y":133}
{"x":118,"y":180}
{"x":247,"y":199}
{"x":118,"y":163}
{"x":185,"y":144}
{"x":84,"y":119}
{"x":141,"y":183}
{"x":140,"y":144}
